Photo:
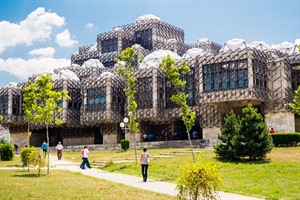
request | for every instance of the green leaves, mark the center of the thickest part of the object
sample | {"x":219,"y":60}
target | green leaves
{"x":172,"y":72}
{"x":246,"y":137}
{"x":295,"y":105}
{"x":126,"y":71}
{"x":40,"y":100}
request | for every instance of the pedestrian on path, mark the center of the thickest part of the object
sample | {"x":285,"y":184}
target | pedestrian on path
{"x":59,"y":148}
{"x":85,"y":158}
{"x":45,"y":147}
{"x":145,"y":160}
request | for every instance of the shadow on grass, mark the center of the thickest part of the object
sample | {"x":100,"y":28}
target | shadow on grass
{"x":243,"y":161}
{"x":26,"y":174}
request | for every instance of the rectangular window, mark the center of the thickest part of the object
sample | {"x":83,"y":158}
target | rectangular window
{"x":109,"y":45}
{"x":223,"y":76}
{"x":96,"y":99}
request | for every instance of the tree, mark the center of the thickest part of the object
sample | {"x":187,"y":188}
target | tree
{"x":249,"y":138}
{"x":172,"y":72}
{"x":295,"y":105}
{"x":230,"y":128}
{"x":46,"y":104}
{"x":126,"y":71}
{"x":29,"y":105}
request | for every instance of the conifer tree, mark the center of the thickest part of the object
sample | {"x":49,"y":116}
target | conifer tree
{"x":230,"y":128}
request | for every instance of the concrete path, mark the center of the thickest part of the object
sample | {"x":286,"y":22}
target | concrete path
{"x":152,"y":185}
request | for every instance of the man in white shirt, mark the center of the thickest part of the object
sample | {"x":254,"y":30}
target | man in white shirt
{"x":59,"y":148}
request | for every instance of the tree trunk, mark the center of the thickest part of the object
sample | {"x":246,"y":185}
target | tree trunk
{"x":188,"y":133}
{"x":48,"y":158}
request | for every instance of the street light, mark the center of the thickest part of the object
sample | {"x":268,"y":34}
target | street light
{"x":123,"y":124}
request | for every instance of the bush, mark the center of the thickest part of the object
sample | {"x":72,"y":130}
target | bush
{"x":25,"y":154}
{"x":198,"y":180}
{"x":286,"y":139}
{"x":245,"y":137}
{"x":125,"y":144}
{"x":6,"y":152}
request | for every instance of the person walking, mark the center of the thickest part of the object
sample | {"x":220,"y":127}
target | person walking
{"x":145,"y":160}
{"x":59,"y":148}
{"x":85,"y":158}
{"x":45,"y":147}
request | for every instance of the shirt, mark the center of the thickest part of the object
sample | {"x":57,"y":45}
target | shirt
{"x":145,"y":158}
{"x":59,"y":147}
{"x":85,"y":153}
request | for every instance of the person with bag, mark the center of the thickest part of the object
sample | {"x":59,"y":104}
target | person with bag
{"x":85,"y":158}
{"x":145,"y":160}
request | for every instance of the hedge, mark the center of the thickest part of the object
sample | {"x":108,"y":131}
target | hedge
{"x":286,"y":139}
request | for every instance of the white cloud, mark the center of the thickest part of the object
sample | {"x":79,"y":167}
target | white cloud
{"x":90,"y":26}
{"x":43,"y":52}
{"x":37,"y":26}
{"x":63,"y":39}
{"x":26,"y":68}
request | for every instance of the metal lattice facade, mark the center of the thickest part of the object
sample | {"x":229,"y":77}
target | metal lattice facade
{"x":218,"y":81}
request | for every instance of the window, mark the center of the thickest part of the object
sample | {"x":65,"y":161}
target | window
{"x":109,"y":45}
{"x":96,"y":99}
{"x":144,"y":92}
{"x":223,"y":76}
{"x":4,"y":104}
{"x":144,"y":38}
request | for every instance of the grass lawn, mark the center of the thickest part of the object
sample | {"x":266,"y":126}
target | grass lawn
{"x":21,"y":184}
{"x":277,"y":177}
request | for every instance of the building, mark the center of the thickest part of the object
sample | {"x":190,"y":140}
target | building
{"x":222,"y":77}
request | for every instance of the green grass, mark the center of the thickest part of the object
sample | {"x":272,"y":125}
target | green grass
{"x":277,"y":177}
{"x":20,"y":184}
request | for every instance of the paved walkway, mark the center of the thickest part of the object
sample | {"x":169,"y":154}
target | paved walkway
{"x":152,"y":185}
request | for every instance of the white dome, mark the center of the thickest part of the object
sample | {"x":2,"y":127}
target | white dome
{"x":193,"y":52}
{"x":65,"y":74}
{"x":234,"y":44}
{"x":154,"y":59}
{"x":147,"y":17}
{"x":261,"y":45}
{"x":92,"y":63}
{"x":12,"y":85}
{"x":284,"y":47}
{"x":106,"y":74}
{"x":93,"y":48}
{"x":201,"y":40}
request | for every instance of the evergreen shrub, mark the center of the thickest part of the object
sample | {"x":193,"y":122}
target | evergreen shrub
{"x":286,"y":139}
{"x":6,"y":152}
{"x":125,"y":144}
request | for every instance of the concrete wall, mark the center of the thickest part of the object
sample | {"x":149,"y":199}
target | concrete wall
{"x":19,"y":139}
{"x":211,"y":134}
{"x":77,"y":141}
{"x":139,"y":145}
{"x":281,"y":122}
{"x":110,"y":138}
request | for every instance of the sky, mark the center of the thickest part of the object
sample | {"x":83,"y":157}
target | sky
{"x":38,"y":36}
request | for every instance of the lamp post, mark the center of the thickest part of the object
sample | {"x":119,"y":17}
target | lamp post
{"x":123,"y":124}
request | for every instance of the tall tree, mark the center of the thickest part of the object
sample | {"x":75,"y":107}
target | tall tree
{"x":172,"y":72}
{"x":295,"y":105}
{"x":47,"y":105}
{"x":29,"y":106}
{"x":230,"y":128}
{"x":126,"y":70}
{"x":248,"y":138}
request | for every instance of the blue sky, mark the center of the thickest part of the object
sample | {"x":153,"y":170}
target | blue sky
{"x":38,"y":36}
